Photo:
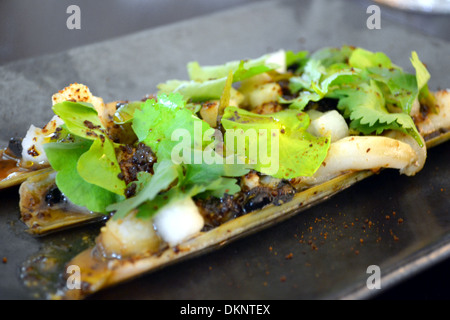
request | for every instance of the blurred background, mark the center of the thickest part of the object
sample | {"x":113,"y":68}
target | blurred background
{"x":30,"y":28}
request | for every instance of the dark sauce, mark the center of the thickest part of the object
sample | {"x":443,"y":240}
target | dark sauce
{"x":217,"y":211}
{"x":55,"y":196}
{"x":10,"y":158}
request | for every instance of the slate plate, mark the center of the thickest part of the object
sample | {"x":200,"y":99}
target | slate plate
{"x":401,"y":224}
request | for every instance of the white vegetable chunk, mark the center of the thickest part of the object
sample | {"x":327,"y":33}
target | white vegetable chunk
{"x":250,"y":180}
{"x":32,"y":144}
{"x":128,"y":236}
{"x":330,"y":123}
{"x":264,"y":93}
{"x":209,"y":112}
{"x":178,"y":221}
{"x":278,"y":58}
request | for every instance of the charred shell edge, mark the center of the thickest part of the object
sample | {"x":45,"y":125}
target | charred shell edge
{"x":115,"y":271}
{"x":42,"y":218}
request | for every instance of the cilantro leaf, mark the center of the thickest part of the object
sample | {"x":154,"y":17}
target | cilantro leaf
{"x":333,"y":56}
{"x":316,"y":86}
{"x":165,"y":172}
{"x":399,"y":88}
{"x":297,"y":59}
{"x":217,"y":178}
{"x":365,"y":106}
{"x":191,"y":180}
{"x":196,"y":180}
{"x":375,"y":95}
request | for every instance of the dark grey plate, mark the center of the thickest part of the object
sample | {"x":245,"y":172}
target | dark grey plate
{"x":401,"y":224}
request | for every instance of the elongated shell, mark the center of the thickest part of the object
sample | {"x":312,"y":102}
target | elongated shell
{"x":44,"y":209}
{"x":99,"y":272}
{"x":12,"y":173}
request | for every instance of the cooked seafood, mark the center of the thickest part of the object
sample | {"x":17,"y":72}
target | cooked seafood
{"x":45,"y":209}
{"x":368,"y":153}
{"x":255,"y":142}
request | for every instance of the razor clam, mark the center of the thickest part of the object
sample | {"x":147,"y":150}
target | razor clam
{"x":100,"y":272}
{"x":44,"y":209}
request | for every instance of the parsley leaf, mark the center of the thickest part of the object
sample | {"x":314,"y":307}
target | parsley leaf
{"x":165,"y":172}
{"x":365,"y":106}
{"x":375,"y":95}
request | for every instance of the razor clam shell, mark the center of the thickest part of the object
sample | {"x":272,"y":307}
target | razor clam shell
{"x":39,"y":216}
{"x":17,"y":174}
{"x":16,"y":178}
{"x":434,"y":140}
{"x":99,"y":273}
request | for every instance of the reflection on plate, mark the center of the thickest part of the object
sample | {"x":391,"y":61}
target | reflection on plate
{"x":428,"y":6}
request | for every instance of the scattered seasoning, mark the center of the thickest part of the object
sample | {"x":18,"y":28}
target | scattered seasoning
{"x":400,"y":220}
{"x":393,"y":235}
{"x":32,"y":151}
{"x":283,"y":278}
{"x":4,"y":260}
{"x":289,"y":256}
